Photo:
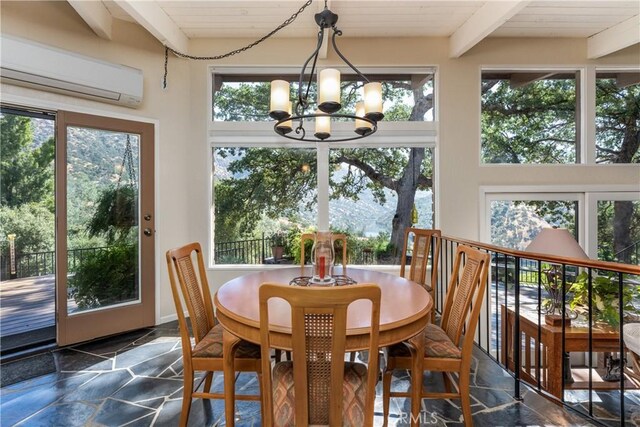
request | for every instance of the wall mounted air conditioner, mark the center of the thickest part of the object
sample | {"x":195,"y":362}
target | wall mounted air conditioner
{"x":35,"y":65}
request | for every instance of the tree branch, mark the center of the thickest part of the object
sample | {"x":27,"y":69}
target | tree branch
{"x":369,"y":171}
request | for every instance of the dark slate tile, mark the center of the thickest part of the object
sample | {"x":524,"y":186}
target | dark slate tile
{"x":201,"y":414}
{"x":152,"y":403}
{"x":24,"y":403}
{"x":554,"y":414}
{"x":64,"y":414}
{"x":491,"y":398}
{"x":141,"y":389}
{"x":515,"y":414}
{"x":100,"y":387}
{"x":156,"y":366}
{"x":139,"y":354}
{"x":108,"y":346}
{"x":117,"y":413}
{"x":69,"y":360}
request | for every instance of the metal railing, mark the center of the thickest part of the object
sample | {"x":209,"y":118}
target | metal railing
{"x":251,"y":251}
{"x":513,"y":328}
{"x":258,"y":251}
{"x":44,"y":263}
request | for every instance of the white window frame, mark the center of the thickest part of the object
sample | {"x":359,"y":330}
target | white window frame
{"x":592,"y":199}
{"x":587,"y":197}
{"x":528,"y":193}
{"x":592,"y":78}
{"x":261,"y":134}
{"x":585,"y":150}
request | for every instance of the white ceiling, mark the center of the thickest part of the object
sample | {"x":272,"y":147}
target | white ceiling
{"x":465,"y":22}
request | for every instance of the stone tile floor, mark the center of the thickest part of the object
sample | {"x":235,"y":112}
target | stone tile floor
{"x":135,"y":379}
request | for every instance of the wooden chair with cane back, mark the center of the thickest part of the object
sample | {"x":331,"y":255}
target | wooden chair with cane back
{"x":425,"y":242}
{"x":318,"y":386}
{"x":205,"y":354}
{"x":447,"y":350}
{"x":335,"y":237}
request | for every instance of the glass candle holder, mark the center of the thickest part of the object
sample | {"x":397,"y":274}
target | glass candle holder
{"x":322,"y":257}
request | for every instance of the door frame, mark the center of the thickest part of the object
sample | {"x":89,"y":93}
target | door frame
{"x":111,"y":320}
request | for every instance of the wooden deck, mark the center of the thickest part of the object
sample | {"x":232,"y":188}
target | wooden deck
{"x":27,"y":304}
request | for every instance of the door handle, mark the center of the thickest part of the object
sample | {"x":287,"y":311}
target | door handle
{"x":147,"y":232}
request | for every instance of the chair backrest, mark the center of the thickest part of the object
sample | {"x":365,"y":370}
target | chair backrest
{"x":335,"y":237}
{"x":319,"y":319}
{"x":464,"y":298}
{"x":192,"y":286}
{"x":425,"y":241}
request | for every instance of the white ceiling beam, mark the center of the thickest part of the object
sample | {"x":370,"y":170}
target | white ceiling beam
{"x":151,"y":16}
{"x":615,"y":38}
{"x":96,"y":15}
{"x":482,"y":23}
{"x":522,"y":79}
{"x":627,"y":79}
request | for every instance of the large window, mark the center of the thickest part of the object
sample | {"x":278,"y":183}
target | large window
{"x":611,"y":230}
{"x":266,"y":190}
{"x":529,"y":117}
{"x":517,"y":219}
{"x":238,"y":98}
{"x":617,"y":117}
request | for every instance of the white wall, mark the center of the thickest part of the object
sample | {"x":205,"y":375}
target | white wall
{"x":182,"y":210}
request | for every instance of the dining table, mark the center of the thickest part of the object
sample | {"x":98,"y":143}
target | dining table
{"x":405,"y":310}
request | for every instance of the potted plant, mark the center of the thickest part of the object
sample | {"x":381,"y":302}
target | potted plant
{"x":605,"y":301}
{"x":277,"y":247}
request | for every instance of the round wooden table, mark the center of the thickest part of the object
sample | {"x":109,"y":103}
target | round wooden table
{"x":404,"y":313}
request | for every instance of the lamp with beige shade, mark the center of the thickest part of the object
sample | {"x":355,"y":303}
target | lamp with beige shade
{"x":559,"y":242}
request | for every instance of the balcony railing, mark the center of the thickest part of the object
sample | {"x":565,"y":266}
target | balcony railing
{"x":513,"y":330}
{"x":43,"y":263}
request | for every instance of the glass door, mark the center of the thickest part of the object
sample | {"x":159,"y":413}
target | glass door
{"x":105,"y":230}
{"x":27,"y":228}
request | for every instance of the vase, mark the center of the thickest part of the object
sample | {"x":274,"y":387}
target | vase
{"x":322,"y":257}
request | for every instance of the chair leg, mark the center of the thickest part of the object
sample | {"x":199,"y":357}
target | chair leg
{"x":447,"y":382}
{"x":386,"y":394}
{"x":262,"y":395}
{"x":352,"y":356}
{"x":278,"y":355}
{"x":186,"y":397}
{"x":207,"y":382}
{"x":465,"y":399}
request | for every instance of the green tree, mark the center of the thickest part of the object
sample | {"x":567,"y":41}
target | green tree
{"x":26,"y":172}
{"x":273,"y":181}
{"x":33,"y":225}
{"x":618,"y":141}
{"x":535,"y":123}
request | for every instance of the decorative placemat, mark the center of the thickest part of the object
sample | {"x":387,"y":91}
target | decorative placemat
{"x":341,"y":280}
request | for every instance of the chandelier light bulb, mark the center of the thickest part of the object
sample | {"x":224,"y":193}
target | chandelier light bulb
{"x":373,"y":101}
{"x":323,"y":125}
{"x":329,"y":98}
{"x":362,"y":126}
{"x":279,"y":107}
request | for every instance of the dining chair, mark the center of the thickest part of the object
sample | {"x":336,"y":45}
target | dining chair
{"x":425,"y":242}
{"x":447,"y":350}
{"x":318,"y":386}
{"x":205,"y":353}
{"x":335,"y":237}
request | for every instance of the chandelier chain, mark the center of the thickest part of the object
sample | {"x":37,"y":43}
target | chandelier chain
{"x":233,"y":52}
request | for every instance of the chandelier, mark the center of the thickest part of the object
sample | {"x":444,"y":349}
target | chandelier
{"x":291,"y":120}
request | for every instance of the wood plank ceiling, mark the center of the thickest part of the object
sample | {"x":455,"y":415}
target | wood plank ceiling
{"x":610,"y":25}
